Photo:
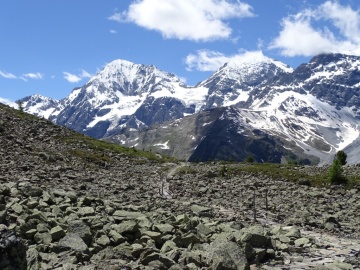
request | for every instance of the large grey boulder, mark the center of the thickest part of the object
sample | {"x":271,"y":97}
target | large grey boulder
{"x":81,"y":229}
{"x":226,"y":254}
{"x":74,"y":242}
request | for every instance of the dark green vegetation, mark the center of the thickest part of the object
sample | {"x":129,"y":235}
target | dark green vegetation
{"x":341,"y":156}
{"x":336,"y":170}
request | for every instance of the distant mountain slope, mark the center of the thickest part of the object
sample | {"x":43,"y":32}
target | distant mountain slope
{"x":312,"y":111}
{"x":223,"y":133}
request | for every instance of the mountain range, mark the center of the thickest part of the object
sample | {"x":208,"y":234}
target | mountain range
{"x":252,"y":106}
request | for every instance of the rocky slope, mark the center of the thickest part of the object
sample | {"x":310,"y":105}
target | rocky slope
{"x":77,"y":203}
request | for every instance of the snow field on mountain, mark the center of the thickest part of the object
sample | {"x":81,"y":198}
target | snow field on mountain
{"x":189,"y":96}
{"x":337,"y":128}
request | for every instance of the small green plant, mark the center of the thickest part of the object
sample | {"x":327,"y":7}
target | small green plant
{"x":341,"y":156}
{"x":336,"y":173}
{"x":250,"y":159}
{"x":292,"y":162}
{"x":20,"y":105}
{"x":223,"y":171}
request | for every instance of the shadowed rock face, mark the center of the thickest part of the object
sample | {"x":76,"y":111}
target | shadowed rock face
{"x":12,"y":250}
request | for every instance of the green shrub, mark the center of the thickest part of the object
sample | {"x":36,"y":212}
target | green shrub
{"x":249,"y":159}
{"x":20,"y":106}
{"x":335,"y":173}
{"x":223,"y":171}
{"x":341,"y":156}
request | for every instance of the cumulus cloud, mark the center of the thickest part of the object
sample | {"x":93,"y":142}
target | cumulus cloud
{"x":205,"y":60}
{"x":75,"y":78}
{"x":331,"y":27}
{"x":186,"y":19}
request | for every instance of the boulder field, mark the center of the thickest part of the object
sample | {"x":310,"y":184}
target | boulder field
{"x":68,"y":202}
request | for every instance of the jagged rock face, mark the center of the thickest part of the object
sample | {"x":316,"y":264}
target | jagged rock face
{"x":313,"y":110}
{"x":333,"y":78}
{"x":156,"y":111}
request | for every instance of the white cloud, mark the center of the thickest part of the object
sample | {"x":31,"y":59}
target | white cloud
{"x":186,"y":19}
{"x":112,"y":31}
{"x":337,"y":30}
{"x":118,"y":17}
{"x":73,"y":78}
{"x":24,"y":77}
{"x":36,"y":76}
{"x":206,"y":60}
{"x":7,"y":75}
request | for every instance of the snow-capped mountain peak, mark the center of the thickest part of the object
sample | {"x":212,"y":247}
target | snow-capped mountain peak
{"x":129,"y":78}
{"x":311,"y":111}
{"x":233,"y":82}
{"x":39,"y":105}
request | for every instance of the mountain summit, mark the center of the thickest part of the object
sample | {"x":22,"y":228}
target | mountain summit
{"x":231,"y":84}
{"x":304,"y":114}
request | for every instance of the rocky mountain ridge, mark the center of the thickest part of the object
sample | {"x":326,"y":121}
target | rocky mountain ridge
{"x":312,"y":111}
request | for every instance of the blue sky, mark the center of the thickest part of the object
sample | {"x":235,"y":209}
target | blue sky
{"x":51,"y":47}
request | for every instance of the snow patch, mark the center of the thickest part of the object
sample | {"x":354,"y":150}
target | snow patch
{"x":163,"y":146}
